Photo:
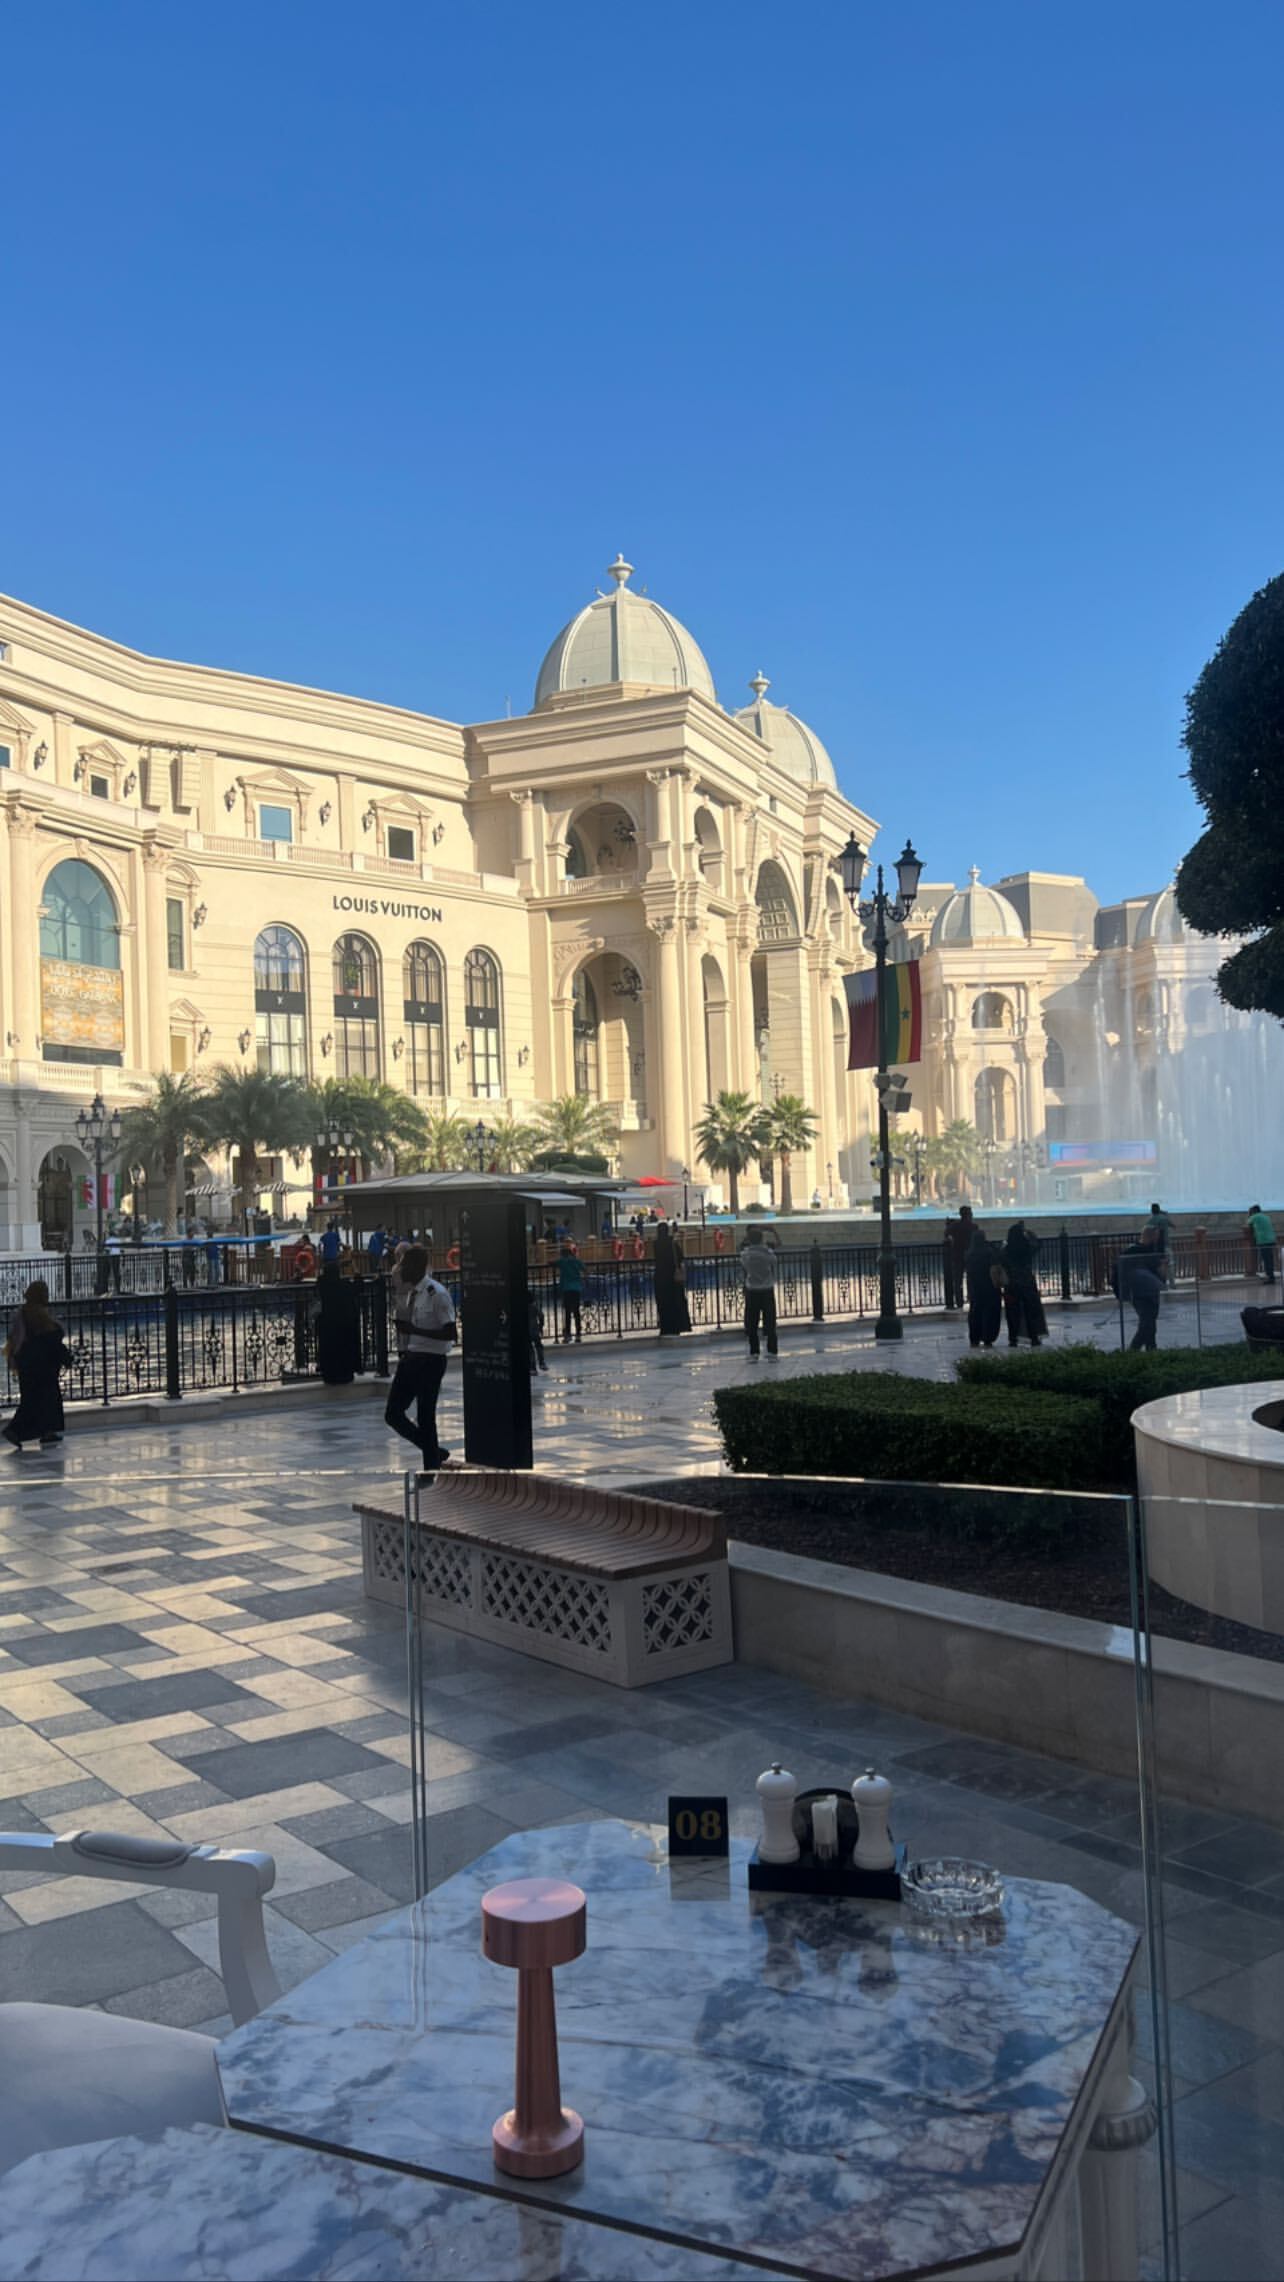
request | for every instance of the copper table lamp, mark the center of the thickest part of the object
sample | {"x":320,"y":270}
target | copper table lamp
{"x":534,"y":1924}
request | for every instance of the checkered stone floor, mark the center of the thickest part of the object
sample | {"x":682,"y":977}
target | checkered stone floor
{"x":184,"y":1648}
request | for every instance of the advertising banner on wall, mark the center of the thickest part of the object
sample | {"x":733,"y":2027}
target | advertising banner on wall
{"x":82,"y":1006}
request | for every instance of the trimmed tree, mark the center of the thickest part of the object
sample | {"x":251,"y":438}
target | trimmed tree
{"x":730,"y":1135}
{"x":158,"y":1132}
{"x":791,"y":1127}
{"x":1232,"y":882}
{"x":253,"y":1112}
{"x":575,"y":1126}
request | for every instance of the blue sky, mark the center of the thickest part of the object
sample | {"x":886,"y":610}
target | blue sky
{"x":928,"y":357}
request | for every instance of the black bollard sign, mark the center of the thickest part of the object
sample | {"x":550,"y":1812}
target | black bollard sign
{"x":495,"y":1332}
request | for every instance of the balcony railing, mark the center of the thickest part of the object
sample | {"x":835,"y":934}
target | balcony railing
{"x":603,"y":883}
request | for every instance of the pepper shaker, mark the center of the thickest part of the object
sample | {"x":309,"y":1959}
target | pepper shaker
{"x":872,"y":1799}
{"x":777,"y":1790}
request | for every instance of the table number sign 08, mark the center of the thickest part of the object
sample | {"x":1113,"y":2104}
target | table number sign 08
{"x":698,"y":1825}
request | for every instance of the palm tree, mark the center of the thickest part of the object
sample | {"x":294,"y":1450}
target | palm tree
{"x":445,"y":1144}
{"x":382,"y":1120}
{"x":790,"y":1126}
{"x":159,"y":1130}
{"x":575,"y":1126}
{"x":957,"y":1153}
{"x":732,"y":1132}
{"x":249,"y":1110}
{"x":512,"y":1145}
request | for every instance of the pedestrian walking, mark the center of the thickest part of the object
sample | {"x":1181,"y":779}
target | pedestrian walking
{"x":570,"y":1290}
{"x":338,"y":1329}
{"x":958,"y":1236}
{"x":1160,"y":1220}
{"x":1138,"y":1277}
{"x":211,"y":1263}
{"x":535,"y":1329}
{"x":331,"y":1244}
{"x":426,"y":1332}
{"x":672,"y":1312}
{"x":1021,"y":1302}
{"x":37,"y":1353}
{"x":1262,"y":1230}
{"x":758,"y":1266}
{"x":375,"y":1249}
{"x":985,"y":1277}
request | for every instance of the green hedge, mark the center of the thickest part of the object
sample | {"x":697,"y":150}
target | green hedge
{"x":882,"y":1426}
{"x":1117,"y":1383}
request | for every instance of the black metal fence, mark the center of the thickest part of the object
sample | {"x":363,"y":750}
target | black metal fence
{"x":171,"y":1340}
{"x":143,"y":1269}
{"x":177,"y":1342}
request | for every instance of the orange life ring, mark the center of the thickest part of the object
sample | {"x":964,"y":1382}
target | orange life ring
{"x":720,"y":1239}
{"x":639,"y":1248}
{"x":452,"y":1257}
{"x":617,"y":1248}
{"x":305,"y":1262}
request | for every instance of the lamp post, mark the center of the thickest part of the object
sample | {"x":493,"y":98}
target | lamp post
{"x":137,"y":1177}
{"x":989,"y":1151}
{"x":100,"y":1133}
{"x":481,"y":1138}
{"x":686,"y":1176}
{"x":329,"y":1142}
{"x":874,"y":913}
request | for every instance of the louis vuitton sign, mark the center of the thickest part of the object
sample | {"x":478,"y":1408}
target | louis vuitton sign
{"x":384,"y":907}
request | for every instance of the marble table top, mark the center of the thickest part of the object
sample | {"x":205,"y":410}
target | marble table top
{"x":830,"y":2087}
{"x":229,"y":2206}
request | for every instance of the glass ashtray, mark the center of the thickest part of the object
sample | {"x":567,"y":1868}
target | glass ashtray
{"x":947,"y":1887}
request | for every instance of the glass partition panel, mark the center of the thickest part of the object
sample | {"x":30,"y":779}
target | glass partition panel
{"x":581,"y":1660}
{"x":1215,"y":1589}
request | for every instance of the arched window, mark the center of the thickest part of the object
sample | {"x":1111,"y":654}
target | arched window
{"x":1054,"y":1062}
{"x":481,"y":1013}
{"x":995,"y":1098}
{"x":356,"y":1008}
{"x":82,"y":999}
{"x":281,"y":1002}
{"x":584,"y":1033}
{"x":424,"y":1012}
{"x":992,"y":1011}
{"x":79,"y":921}
{"x":576,"y":860}
{"x":777,"y":915}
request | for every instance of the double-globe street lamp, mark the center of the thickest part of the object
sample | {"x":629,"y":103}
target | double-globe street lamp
{"x":874,"y":912}
{"x":99,"y":1133}
{"x":482,"y":1140}
{"x":329,"y":1143}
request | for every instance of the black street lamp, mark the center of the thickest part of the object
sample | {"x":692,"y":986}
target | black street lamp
{"x":100,"y":1133}
{"x":137,"y":1179}
{"x":329,"y":1143}
{"x":686,"y":1175}
{"x":481,"y":1138}
{"x":874,"y":913}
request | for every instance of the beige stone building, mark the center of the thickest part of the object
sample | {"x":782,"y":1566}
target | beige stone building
{"x":627,"y":891}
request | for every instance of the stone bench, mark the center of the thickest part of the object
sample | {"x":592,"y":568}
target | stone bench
{"x":626,"y":1588}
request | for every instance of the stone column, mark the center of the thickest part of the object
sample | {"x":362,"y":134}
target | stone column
{"x":23,"y":1008}
{"x":673,"y":1135}
{"x":741,"y":981}
{"x":24,"y":1217}
{"x":831,"y":1134}
{"x":151,"y":950}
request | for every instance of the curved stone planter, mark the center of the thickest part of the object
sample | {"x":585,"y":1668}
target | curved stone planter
{"x":1210,"y":1467}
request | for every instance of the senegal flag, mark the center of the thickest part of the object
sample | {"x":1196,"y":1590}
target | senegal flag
{"x":902,"y":1039}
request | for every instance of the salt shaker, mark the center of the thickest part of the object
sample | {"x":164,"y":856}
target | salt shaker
{"x":777,"y":1790}
{"x":872,"y":1799}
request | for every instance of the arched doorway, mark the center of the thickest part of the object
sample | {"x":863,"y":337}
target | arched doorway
{"x":585,"y":1028}
{"x":607,"y":1056}
{"x":56,"y":1202}
{"x":774,"y":974}
{"x":996,"y":1107}
{"x":601,"y":841}
{"x":717,"y":1072}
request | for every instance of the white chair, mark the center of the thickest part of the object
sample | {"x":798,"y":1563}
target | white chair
{"x":68,"y":2074}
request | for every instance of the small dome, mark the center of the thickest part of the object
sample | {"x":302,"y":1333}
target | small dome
{"x":623,"y":637}
{"x":975,"y":914}
{"x":793,"y":746}
{"x":1162,"y":922}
